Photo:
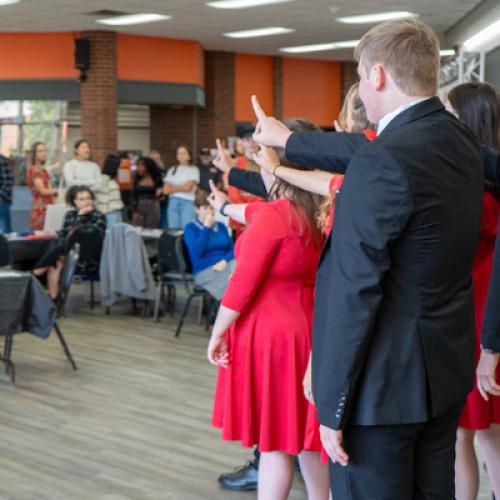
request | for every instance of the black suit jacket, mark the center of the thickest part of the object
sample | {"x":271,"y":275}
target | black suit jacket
{"x":333,"y":151}
{"x":393,"y":331}
{"x":249,"y":181}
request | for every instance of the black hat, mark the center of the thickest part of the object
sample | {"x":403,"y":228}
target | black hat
{"x":245,"y":130}
{"x":204,"y":151}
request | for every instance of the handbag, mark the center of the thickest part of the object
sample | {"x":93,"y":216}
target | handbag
{"x":55,"y":213}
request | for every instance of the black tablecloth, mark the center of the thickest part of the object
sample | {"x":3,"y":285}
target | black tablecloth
{"x":25,"y":252}
{"x":24,"y":305}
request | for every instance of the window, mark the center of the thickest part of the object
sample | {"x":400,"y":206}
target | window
{"x":23,"y":123}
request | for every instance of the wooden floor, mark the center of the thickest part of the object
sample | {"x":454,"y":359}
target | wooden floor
{"x":132,"y":423}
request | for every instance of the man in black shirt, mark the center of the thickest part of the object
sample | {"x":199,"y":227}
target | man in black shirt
{"x":208,"y":172}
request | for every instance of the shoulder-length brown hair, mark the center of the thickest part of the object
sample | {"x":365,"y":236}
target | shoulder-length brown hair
{"x":33,"y":152}
{"x":477,"y":105}
{"x":307,"y":205}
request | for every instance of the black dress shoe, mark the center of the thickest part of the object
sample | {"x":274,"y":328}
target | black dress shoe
{"x":242,"y":479}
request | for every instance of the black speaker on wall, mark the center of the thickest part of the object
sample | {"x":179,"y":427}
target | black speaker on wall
{"x":82,"y":56}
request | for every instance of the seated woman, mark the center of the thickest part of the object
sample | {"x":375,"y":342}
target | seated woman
{"x":210,"y":247}
{"x":83,"y":214}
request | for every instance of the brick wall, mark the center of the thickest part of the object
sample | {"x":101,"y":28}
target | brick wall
{"x":98,"y":95}
{"x":349,"y":75}
{"x":197,"y":127}
{"x":217,"y":119}
{"x":278,"y":87}
{"x":169,"y":128}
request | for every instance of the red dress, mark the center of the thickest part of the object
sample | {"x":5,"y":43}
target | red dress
{"x":40,"y":202}
{"x":259,"y":398}
{"x":478,"y":413}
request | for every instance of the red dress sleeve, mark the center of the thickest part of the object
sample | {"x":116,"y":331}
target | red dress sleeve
{"x":262,"y":239}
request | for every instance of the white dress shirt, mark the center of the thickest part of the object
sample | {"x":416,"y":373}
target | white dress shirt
{"x":382,"y":124}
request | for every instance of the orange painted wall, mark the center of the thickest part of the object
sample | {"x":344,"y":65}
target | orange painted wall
{"x":253,"y":75}
{"x":160,"y":60}
{"x":311,"y":89}
{"x":37,"y":55}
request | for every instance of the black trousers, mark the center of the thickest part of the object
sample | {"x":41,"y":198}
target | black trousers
{"x":399,"y":462}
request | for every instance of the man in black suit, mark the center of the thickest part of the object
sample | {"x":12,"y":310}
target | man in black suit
{"x":393,"y":334}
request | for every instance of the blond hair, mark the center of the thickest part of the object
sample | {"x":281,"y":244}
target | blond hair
{"x":408,"y":49}
{"x":353,"y":106}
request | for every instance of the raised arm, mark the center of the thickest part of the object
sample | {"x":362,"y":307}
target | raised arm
{"x":324,"y":151}
{"x":315,"y":181}
{"x":235,"y":211}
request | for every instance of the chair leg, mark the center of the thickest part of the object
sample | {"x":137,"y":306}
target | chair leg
{"x":172,"y":298}
{"x":64,"y":346}
{"x":157,"y":301}
{"x":92,"y":300}
{"x":7,"y":351}
{"x":183,"y":315}
{"x":200,"y":308}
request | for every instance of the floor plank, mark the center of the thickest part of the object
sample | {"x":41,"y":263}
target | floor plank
{"x":132,"y":423}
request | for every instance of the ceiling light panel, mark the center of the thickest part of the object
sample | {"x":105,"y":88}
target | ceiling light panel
{"x":8,"y":2}
{"x":259,"y":32}
{"x":133,"y":19}
{"x":486,"y":40}
{"x":320,"y":47}
{"x":376,"y":18}
{"x":243,"y":4}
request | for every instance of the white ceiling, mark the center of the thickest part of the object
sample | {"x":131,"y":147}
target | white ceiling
{"x":192,"y":19}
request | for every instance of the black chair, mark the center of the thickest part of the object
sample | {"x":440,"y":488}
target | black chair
{"x":168,"y":272}
{"x":193,"y":290}
{"x":60,"y":302}
{"x":67,"y":274}
{"x":5,"y":257}
{"x":90,"y":240}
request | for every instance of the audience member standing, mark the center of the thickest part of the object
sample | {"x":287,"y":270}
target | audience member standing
{"x":146,"y":193}
{"x":156,"y":157}
{"x":180,"y":185}
{"x":108,"y":198}
{"x":208,"y":172}
{"x":38,"y":182}
{"x":477,"y":105}
{"x":81,"y":171}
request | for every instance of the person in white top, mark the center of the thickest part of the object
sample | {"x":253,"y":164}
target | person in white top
{"x":180,"y":184}
{"x":81,"y":171}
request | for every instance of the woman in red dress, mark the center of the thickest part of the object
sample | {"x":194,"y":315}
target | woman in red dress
{"x":476,"y":104}
{"x":38,"y":182}
{"x":262,"y":339}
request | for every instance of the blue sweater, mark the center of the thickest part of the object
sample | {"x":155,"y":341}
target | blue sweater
{"x":206,"y":246}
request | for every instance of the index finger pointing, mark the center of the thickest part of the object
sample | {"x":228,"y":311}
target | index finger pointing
{"x":259,"y":112}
